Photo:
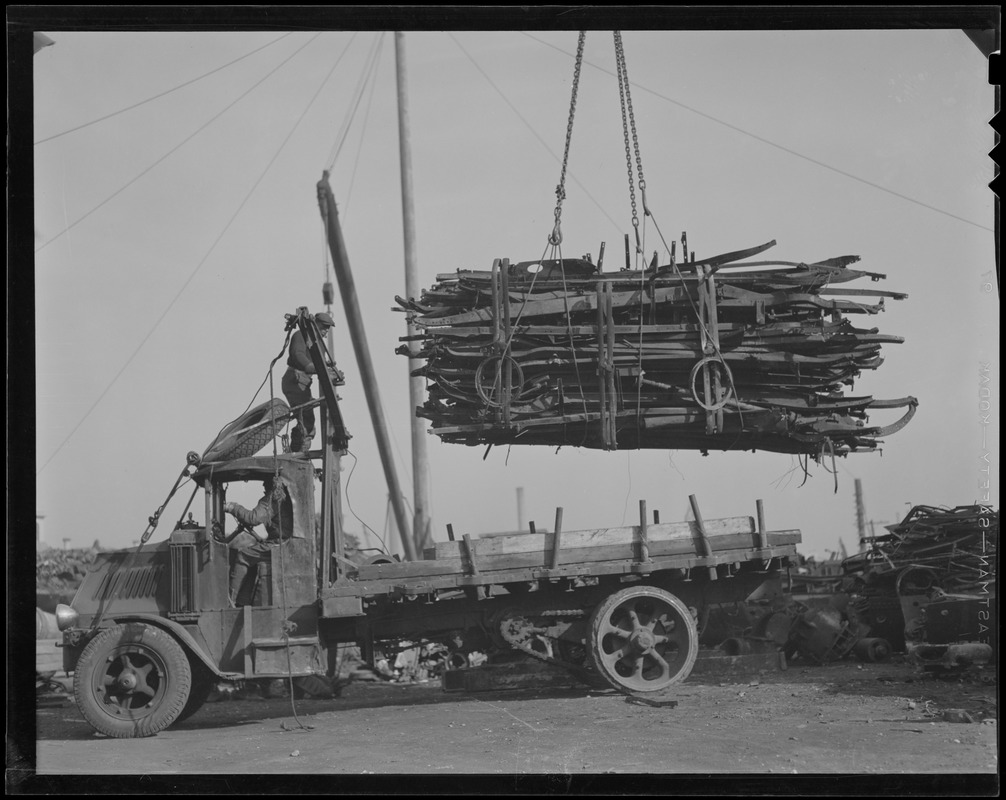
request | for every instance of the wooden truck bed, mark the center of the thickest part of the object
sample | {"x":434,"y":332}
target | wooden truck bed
{"x":520,"y":557}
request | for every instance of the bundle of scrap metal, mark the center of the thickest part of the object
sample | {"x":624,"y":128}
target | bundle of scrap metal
{"x":713,"y":354}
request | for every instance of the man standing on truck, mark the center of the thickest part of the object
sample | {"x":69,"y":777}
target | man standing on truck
{"x":297,"y":385}
{"x":275,"y":513}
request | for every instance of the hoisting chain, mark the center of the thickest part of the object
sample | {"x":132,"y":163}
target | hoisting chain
{"x":629,"y":125}
{"x":555,"y":239}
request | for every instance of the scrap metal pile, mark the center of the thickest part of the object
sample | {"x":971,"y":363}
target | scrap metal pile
{"x":927,"y":589}
{"x":955,"y":548}
{"x":712,"y":354}
{"x":60,"y":572}
{"x":932,"y":578}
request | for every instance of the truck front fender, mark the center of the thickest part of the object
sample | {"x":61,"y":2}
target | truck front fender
{"x":180,"y":632}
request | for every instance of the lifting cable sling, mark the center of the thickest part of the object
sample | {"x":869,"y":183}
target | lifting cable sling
{"x":714,"y":396}
{"x":505,"y":328}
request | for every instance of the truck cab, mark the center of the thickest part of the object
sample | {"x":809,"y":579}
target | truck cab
{"x":151,"y":630}
{"x":141,"y":612}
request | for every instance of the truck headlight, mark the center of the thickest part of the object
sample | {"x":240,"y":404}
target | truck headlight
{"x":66,"y":616}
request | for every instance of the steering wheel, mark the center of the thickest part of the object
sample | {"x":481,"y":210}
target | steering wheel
{"x":222,"y":538}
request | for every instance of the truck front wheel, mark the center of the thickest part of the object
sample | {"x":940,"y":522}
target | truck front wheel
{"x":132,"y":680}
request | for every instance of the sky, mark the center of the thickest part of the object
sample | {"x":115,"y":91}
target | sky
{"x":176,"y":223}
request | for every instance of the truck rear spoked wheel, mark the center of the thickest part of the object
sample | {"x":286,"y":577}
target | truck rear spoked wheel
{"x":132,"y":680}
{"x":643,"y":639}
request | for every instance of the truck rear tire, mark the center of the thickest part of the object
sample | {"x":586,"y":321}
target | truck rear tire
{"x":249,"y":433}
{"x":642,"y":639}
{"x":132,"y":680}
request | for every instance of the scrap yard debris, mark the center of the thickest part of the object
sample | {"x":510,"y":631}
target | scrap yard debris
{"x":931,"y":580}
{"x":927,"y":589}
{"x":953,"y":548}
{"x":717,"y":354}
{"x":58,"y":573}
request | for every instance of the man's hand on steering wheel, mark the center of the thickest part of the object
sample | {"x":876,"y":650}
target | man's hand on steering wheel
{"x":241,"y":528}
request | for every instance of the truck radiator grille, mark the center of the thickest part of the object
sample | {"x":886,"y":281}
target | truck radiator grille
{"x":183,"y":571}
{"x":130,"y":583}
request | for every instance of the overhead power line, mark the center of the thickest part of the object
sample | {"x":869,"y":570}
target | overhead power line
{"x":776,"y":145}
{"x":202,"y":261}
{"x":368,"y":69}
{"x":363,"y":132}
{"x":161,"y":94}
{"x":178,"y":146}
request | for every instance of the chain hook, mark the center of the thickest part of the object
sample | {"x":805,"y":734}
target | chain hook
{"x":555,"y":238}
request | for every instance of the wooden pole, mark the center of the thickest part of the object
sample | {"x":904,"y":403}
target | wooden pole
{"x":417,"y":385}
{"x":644,"y":547}
{"x":557,"y":539}
{"x":704,"y":547}
{"x":354,"y":318}
{"x":762,"y":530}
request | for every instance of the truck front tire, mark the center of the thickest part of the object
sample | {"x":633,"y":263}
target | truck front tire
{"x":132,"y":680}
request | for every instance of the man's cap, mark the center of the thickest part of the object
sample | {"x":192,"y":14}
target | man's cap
{"x":324,"y":319}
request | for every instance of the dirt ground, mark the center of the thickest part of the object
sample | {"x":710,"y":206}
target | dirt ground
{"x":840,"y":719}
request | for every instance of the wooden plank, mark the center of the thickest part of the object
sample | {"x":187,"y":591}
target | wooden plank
{"x":411,"y":569}
{"x":523,"y":543}
{"x":541,"y":558}
{"x":445,"y":575}
{"x":574,"y":304}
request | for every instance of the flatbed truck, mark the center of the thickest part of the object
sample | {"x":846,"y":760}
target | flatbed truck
{"x":151,"y":631}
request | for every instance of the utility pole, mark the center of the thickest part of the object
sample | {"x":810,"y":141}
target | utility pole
{"x":417,"y":385}
{"x":354,"y":317}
